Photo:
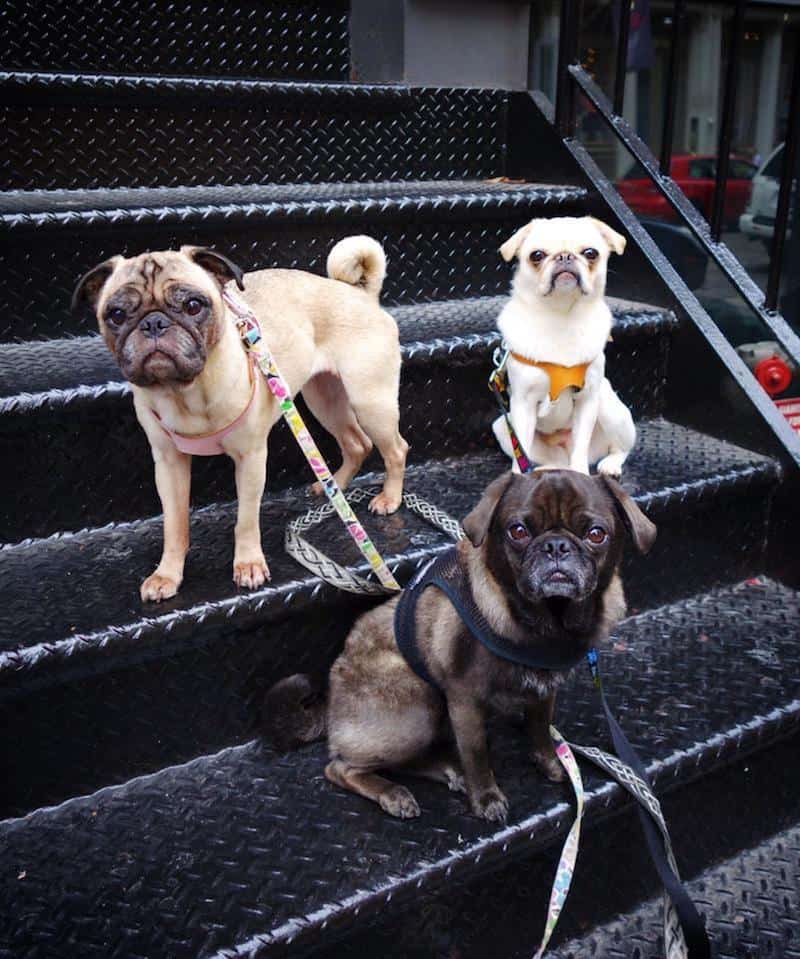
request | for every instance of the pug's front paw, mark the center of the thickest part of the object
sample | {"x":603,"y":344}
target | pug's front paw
{"x":549,"y":765}
{"x":159,"y":586}
{"x":490,"y":805}
{"x":250,"y":573}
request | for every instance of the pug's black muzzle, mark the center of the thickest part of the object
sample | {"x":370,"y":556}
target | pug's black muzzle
{"x":558,"y":565}
{"x":154,"y":324}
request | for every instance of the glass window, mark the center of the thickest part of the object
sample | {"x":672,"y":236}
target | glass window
{"x":773,"y":167}
{"x":702,"y":168}
{"x":741,"y":170}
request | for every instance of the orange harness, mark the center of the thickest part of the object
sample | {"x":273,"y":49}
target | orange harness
{"x":560,"y":376}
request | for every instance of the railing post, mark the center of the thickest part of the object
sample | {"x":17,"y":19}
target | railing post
{"x":671,"y":100}
{"x":726,"y":130}
{"x":567,"y":52}
{"x":622,"y":55}
{"x":787,"y":181}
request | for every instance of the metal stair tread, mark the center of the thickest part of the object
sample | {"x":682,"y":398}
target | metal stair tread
{"x":56,"y":370}
{"x":152,"y":861}
{"x":118,"y":86}
{"x":73,"y":207}
{"x":751,"y":904}
{"x":75,"y":595}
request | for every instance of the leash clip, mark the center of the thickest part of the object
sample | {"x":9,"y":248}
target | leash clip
{"x":497,"y":380}
{"x":249,"y":331}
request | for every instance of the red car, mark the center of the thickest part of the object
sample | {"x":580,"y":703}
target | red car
{"x":694,"y":174}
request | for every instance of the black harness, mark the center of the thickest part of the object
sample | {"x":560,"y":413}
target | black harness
{"x":447,"y":574}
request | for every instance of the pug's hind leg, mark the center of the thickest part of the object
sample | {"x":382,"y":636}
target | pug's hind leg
{"x":391,"y":797}
{"x":325,"y":396}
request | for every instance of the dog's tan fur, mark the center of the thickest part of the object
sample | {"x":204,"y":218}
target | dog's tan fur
{"x":330,"y":339}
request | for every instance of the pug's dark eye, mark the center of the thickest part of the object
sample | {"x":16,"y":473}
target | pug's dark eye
{"x":115,"y":315}
{"x":590,"y":253}
{"x":537,"y":256}
{"x":597,"y":535}
{"x":193,"y":306}
{"x":518,"y":532}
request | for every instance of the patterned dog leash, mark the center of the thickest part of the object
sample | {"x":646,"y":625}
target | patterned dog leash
{"x":254,"y":343}
{"x":684,"y":931}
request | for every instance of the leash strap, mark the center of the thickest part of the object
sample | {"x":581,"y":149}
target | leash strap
{"x":697,"y":945}
{"x":250,"y":332}
{"x":674,"y":940}
{"x":339,"y":576}
{"x":499,"y":387}
{"x":569,"y":851}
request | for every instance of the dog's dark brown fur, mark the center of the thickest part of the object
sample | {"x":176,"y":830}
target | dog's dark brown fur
{"x":539,"y":580}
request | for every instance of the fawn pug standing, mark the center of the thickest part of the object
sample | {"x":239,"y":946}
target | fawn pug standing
{"x":556,"y":326}
{"x":196,"y":391}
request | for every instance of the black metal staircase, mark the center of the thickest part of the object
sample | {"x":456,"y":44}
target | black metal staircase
{"x":141,"y":815}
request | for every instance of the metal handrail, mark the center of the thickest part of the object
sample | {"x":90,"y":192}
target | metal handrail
{"x":764,"y":306}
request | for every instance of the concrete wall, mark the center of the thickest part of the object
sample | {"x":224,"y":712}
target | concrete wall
{"x":469,"y":43}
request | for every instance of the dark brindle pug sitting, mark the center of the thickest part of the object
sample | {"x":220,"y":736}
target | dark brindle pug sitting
{"x":541,"y":558}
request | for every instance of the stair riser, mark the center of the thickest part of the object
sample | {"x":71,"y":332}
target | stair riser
{"x":102,"y":451}
{"x":435,"y":251}
{"x":298,"y":40}
{"x":166,"y":136}
{"x":97,"y":718}
{"x":504,"y":915}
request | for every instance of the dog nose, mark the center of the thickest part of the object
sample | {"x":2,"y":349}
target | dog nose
{"x":557,"y":547}
{"x":154,"y":324}
{"x":565,"y":257}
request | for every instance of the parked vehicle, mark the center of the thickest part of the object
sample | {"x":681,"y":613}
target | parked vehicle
{"x":758,"y":220}
{"x":695,"y":175}
{"x":680,"y":248}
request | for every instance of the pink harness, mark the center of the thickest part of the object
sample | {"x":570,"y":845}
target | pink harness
{"x":210,"y":444}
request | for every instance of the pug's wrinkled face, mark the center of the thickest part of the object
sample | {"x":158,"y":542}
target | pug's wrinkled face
{"x":160,"y":313}
{"x":563,"y":258}
{"x":556,"y":535}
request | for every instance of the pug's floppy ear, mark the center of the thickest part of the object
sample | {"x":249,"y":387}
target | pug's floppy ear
{"x":642,"y":531}
{"x":616,"y":241}
{"x":511,"y":247}
{"x":90,"y":284}
{"x":219,"y":266}
{"x":476,"y":524}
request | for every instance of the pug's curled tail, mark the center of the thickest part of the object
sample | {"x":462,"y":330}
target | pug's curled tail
{"x":295,"y":711}
{"x":359,"y":261}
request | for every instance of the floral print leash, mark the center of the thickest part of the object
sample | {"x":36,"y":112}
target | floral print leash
{"x":250,"y":332}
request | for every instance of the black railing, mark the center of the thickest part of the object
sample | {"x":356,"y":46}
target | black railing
{"x":572,"y":77}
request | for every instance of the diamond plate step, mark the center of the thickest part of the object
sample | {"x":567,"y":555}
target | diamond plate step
{"x":751,"y":904}
{"x":304,"y":39}
{"x":445,"y":409}
{"x":103,"y":130}
{"x":245,"y":854}
{"x":81,"y":651}
{"x":441,"y":237}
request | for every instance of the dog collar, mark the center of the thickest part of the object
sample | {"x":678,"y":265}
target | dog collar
{"x":560,"y":376}
{"x":210,"y":444}
{"x":448,"y":575}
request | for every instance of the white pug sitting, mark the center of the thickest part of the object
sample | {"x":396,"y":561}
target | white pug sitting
{"x":556,"y":326}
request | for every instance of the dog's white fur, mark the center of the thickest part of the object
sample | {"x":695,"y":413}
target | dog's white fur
{"x":553,"y":317}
